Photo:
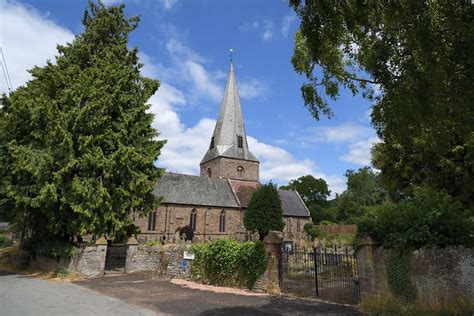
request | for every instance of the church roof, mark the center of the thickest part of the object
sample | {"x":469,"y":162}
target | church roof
{"x":185,"y":189}
{"x":179,"y":188}
{"x":229,"y":126}
{"x":292,"y":204}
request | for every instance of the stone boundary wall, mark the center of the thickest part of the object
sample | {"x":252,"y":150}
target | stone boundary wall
{"x":161,"y":260}
{"x":337,"y":229}
{"x":438,"y":274}
{"x":90,"y":262}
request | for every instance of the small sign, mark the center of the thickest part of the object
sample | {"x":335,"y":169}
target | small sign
{"x":188,"y":255}
{"x":184,"y":265}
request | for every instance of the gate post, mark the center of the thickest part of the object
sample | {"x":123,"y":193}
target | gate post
{"x":132,"y":246}
{"x":365,"y":265}
{"x":101,"y":245}
{"x":272,"y":243}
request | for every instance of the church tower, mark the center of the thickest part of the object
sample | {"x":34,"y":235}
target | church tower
{"x":228,"y":155}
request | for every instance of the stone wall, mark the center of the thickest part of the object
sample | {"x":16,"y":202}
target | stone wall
{"x":90,"y":262}
{"x":170,"y":217}
{"x":160,"y":260}
{"x":294,"y":227}
{"x":446,"y":273}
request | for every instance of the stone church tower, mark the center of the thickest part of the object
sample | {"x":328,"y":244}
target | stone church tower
{"x":228,"y":155}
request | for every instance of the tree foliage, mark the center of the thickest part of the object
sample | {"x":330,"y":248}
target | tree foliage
{"x":264,"y":212}
{"x":428,"y":219}
{"x":77,"y":144}
{"x":418,"y":56}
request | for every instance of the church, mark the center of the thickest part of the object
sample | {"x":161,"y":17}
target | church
{"x":213,"y":203}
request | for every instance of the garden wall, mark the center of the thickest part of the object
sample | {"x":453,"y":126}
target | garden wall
{"x":338,"y":229}
{"x":437,"y":274}
{"x":163,"y":260}
{"x":90,"y":261}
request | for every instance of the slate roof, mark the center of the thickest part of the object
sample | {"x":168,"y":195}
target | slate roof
{"x":185,"y":189}
{"x":229,"y":125}
{"x":179,"y":188}
{"x":292,"y":204}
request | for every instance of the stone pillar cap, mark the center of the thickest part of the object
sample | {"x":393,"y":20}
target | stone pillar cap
{"x":101,"y":241}
{"x":132,"y":240}
{"x":273,"y":237}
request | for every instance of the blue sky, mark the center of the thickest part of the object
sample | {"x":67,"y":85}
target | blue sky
{"x":186,"y":45}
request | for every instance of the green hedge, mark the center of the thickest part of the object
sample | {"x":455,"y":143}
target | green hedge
{"x":55,"y":249}
{"x":428,"y":219}
{"x":227,"y":262}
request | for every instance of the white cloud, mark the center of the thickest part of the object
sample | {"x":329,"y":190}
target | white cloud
{"x":286,"y":24}
{"x":203,"y":81}
{"x":27,"y":39}
{"x":268,"y":32}
{"x":360,"y":151}
{"x":168,"y":4}
{"x":335,"y":134}
{"x":252,"y":88}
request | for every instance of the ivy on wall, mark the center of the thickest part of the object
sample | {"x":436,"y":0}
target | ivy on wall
{"x":398,"y":276}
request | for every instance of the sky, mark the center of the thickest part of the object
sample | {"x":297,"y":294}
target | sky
{"x":185,"y":44}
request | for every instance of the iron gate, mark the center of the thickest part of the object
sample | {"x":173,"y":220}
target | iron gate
{"x":328,"y":273}
{"x":116,"y":258}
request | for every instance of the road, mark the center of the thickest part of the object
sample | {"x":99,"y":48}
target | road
{"x":23,"y":295}
{"x":142,"y":295}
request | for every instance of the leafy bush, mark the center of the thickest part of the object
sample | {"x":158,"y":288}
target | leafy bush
{"x":227,"y":262}
{"x":5,"y":242}
{"x":55,"y":249}
{"x":429,"y":219}
{"x":313,"y":231}
{"x":63,"y":273}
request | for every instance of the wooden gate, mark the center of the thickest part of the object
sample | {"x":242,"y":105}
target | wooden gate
{"x":328,"y":273}
{"x":116,"y":258}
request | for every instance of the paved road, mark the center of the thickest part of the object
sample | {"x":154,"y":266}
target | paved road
{"x":162,"y":296}
{"x":22,"y":295}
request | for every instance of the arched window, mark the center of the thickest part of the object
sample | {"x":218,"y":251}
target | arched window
{"x":152,"y":221}
{"x":222,"y":222}
{"x":209,"y":172}
{"x":240,"y":172}
{"x":192,"y":219}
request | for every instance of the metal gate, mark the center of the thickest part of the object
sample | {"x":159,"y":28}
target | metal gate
{"x":327,"y":273}
{"x":116,"y":258}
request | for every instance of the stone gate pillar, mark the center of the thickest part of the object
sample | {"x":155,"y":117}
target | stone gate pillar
{"x":272,"y":243}
{"x":365,"y":263}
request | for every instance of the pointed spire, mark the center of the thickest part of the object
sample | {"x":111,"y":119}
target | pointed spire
{"x":229,"y":138}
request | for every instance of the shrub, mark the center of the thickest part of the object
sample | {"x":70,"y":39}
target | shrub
{"x":55,"y":249}
{"x":227,"y":262}
{"x":5,"y":242}
{"x":429,"y":219}
{"x":313,"y":231}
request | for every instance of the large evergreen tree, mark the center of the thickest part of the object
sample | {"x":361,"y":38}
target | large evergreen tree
{"x":76,"y":141}
{"x":264,"y":212}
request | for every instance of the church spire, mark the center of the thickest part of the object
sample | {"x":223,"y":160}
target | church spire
{"x":229,"y":138}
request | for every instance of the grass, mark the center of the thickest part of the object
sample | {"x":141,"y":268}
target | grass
{"x":389,"y":305}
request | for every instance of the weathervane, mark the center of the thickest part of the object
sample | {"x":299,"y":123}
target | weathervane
{"x":230,"y":53}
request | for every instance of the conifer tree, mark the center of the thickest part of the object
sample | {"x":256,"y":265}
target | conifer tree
{"x":264,"y":212}
{"x":77,"y":140}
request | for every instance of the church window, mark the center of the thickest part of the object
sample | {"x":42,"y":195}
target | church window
{"x":209,"y":172}
{"x":240,"y":141}
{"x":222,"y":222}
{"x":212,"y":143}
{"x":289,"y":225}
{"x":298,"y":225}
{"x":240,"y":172}
{"x":192,"y":219}
{"x":152,"y":221}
